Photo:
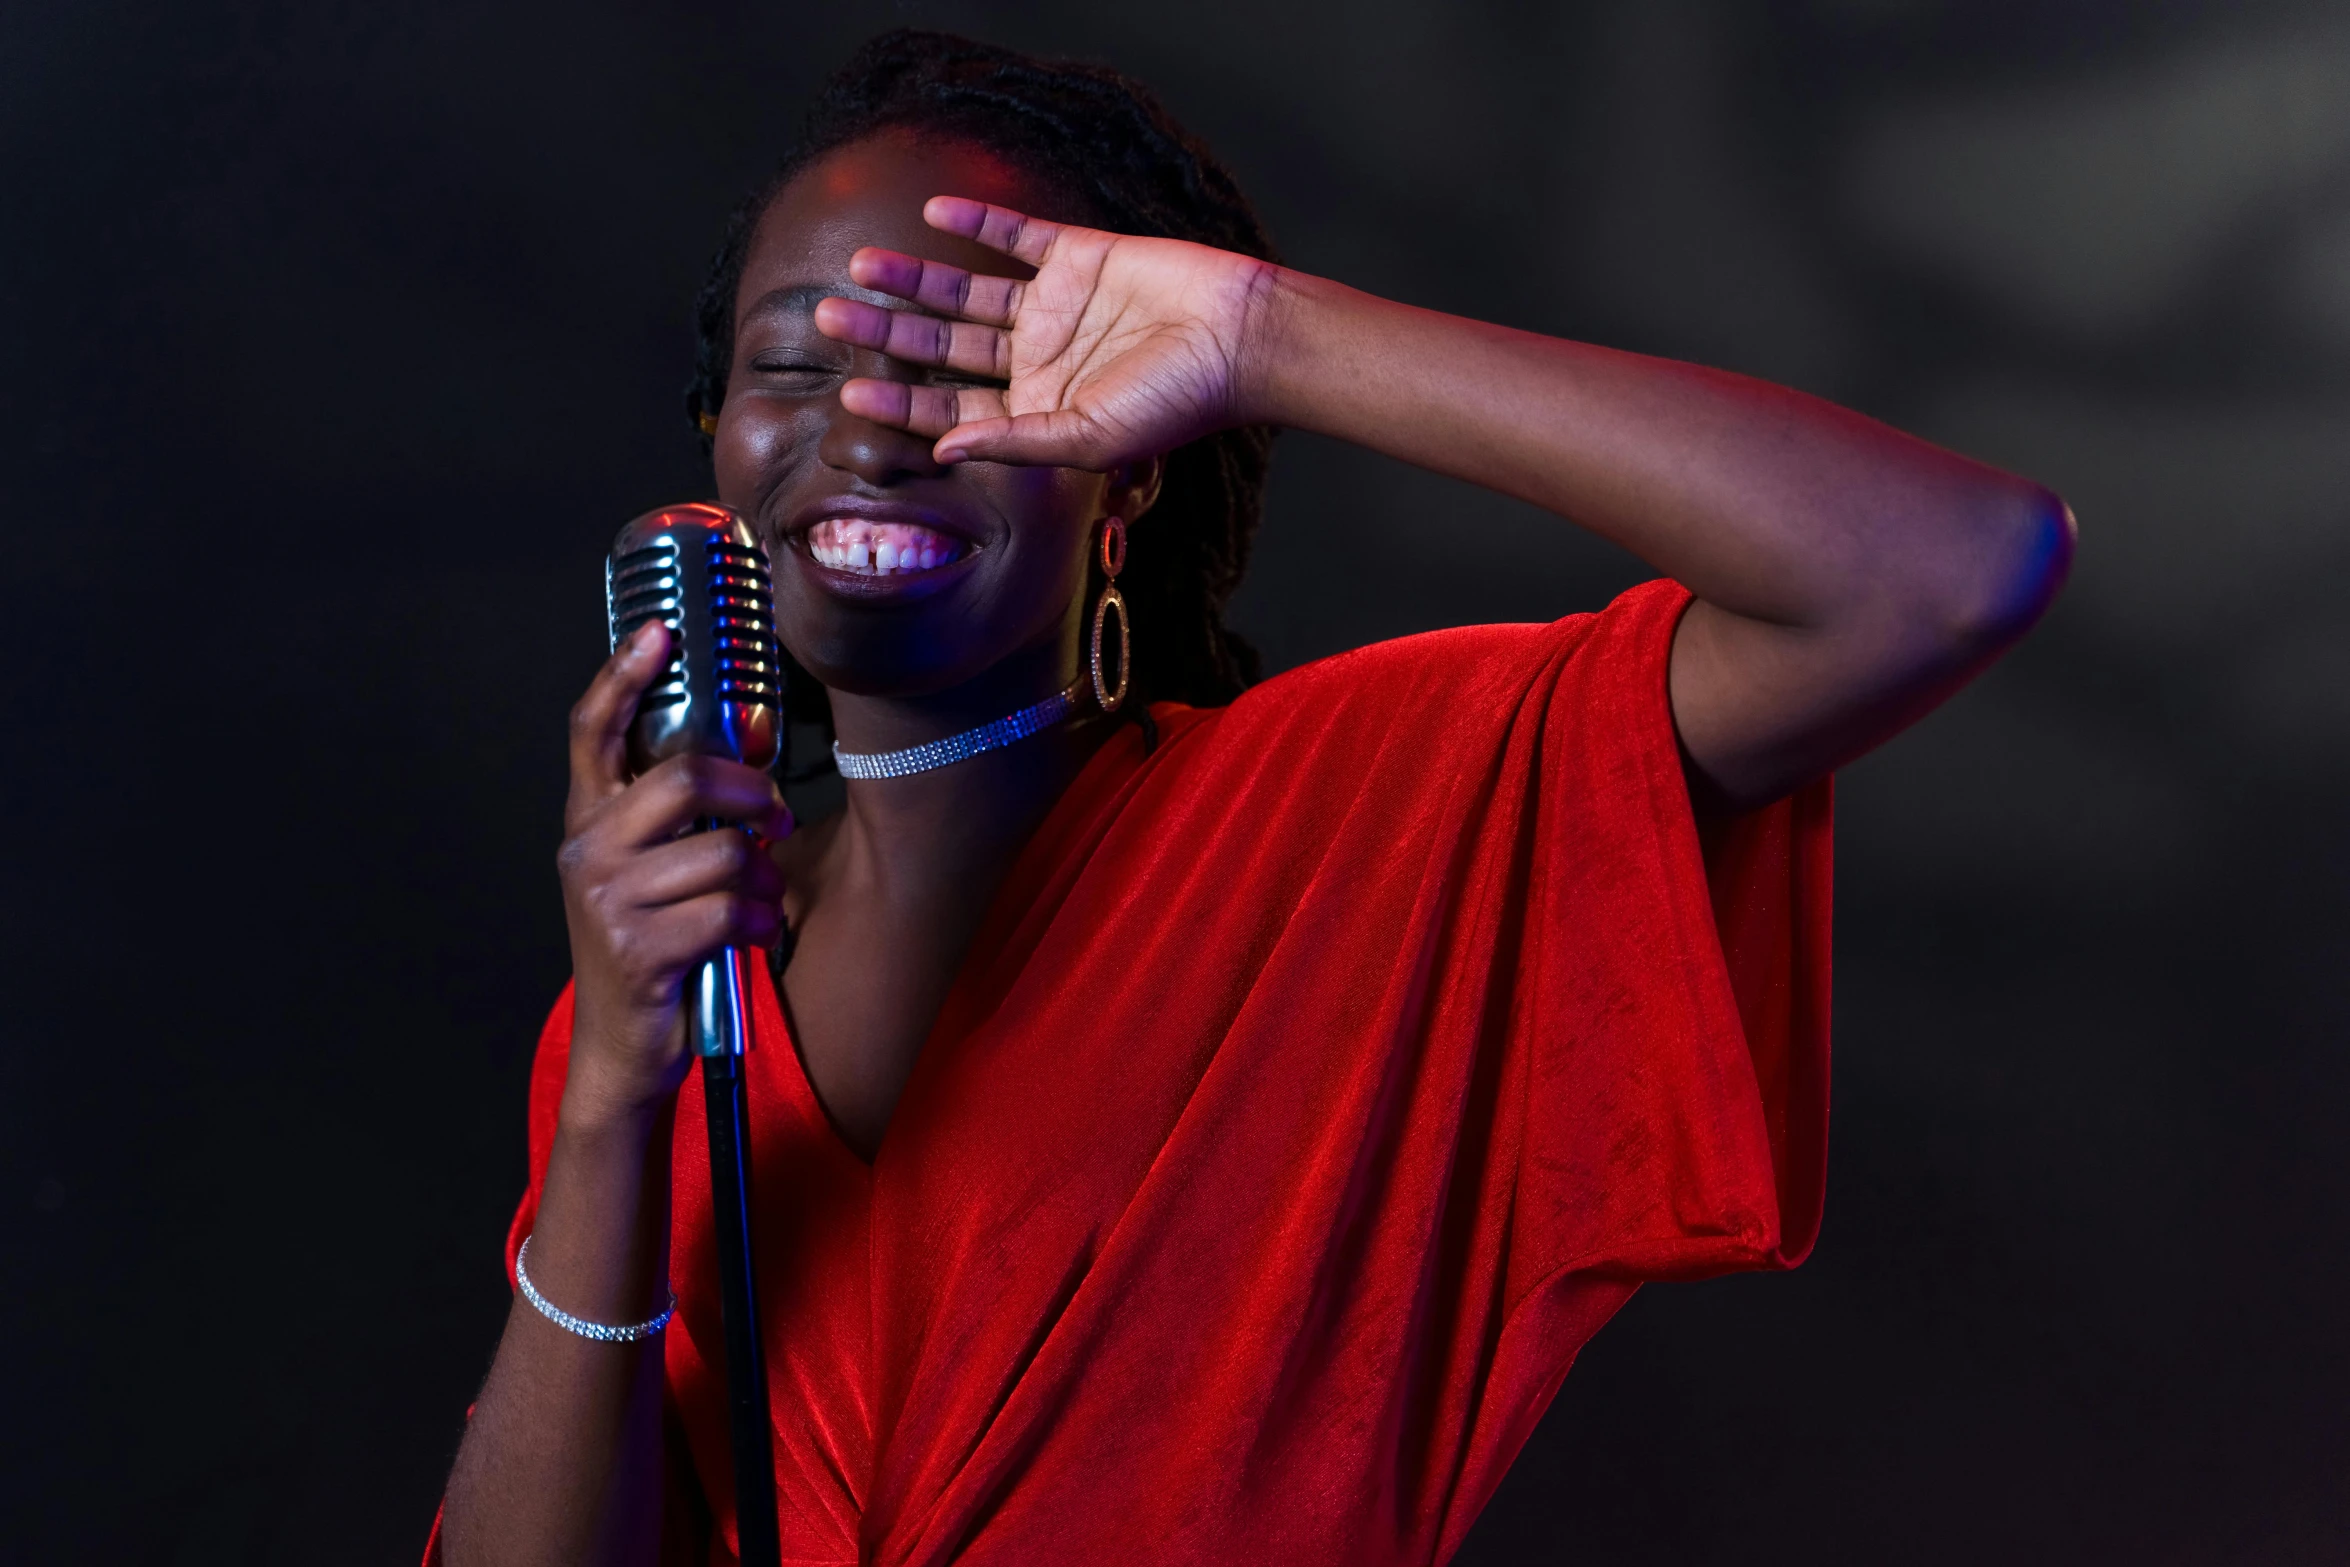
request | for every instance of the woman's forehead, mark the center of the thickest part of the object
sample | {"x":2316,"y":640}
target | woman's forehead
{"x":871,"y":193}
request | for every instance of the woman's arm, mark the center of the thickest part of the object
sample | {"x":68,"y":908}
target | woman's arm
{"x":562,"y":1461}
{"x":1849,"y":577}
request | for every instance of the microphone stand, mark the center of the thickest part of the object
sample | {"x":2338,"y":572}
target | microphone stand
{"x":720,"y":1033}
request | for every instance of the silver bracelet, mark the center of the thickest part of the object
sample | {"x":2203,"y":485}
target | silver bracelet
{"x":635,"y":1332}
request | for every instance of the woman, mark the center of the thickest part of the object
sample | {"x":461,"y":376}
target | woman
{"x":1209,"y":1137}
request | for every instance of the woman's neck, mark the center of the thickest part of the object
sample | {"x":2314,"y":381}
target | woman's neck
{"x":965,"y":820}
{"x":949,"y":834}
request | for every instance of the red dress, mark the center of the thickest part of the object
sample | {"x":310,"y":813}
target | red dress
{"x":1320,"y":1083}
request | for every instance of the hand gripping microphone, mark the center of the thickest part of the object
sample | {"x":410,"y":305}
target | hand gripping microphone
{"x":699,"y":570}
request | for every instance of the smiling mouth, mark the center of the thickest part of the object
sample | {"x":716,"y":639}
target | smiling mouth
{"x":880,"y":549}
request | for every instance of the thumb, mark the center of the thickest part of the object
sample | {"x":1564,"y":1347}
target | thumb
{"x":599,"y":723}
{"x":1059,"y":439}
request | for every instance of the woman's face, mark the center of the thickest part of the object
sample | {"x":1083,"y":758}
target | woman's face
{"x":894,"y":575}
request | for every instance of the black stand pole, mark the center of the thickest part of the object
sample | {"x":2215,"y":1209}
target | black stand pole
{"x":720,"y":1040}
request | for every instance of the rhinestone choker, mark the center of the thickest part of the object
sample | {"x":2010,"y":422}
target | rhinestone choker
{"x":955,"y":748}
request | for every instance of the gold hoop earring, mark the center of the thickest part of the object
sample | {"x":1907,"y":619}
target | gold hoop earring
{"x":1113,"y":560}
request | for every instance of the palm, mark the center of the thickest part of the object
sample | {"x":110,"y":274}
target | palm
{"x":1118,"y":348}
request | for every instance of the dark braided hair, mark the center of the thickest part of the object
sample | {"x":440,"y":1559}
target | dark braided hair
{"x":1102,"y":141}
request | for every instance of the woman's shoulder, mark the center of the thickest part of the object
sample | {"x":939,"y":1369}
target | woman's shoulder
{"x":1398,"y":663}
{"x":1426,"y":705}
{"x":1467,"y":664}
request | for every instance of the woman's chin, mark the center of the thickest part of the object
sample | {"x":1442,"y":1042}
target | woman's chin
{"x":859,"y":656}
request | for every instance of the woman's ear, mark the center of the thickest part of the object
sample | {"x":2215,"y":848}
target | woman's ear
{"x":1133,"y":488}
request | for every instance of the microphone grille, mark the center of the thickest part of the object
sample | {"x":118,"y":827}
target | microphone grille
{"x":643,"y":585}
{"x":742,"y":624}
{"x":698,"y":569}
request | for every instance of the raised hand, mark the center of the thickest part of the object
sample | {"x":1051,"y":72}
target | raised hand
{"x":1118,"y":348}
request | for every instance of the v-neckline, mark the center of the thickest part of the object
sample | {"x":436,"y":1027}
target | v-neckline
{"x":1022,"y":881}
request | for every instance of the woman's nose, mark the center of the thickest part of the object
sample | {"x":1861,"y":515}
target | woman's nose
{"x":875,"y":453}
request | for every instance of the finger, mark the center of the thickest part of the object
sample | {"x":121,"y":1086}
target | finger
{"x":925,"y":410}
{"x":721,"y":920}
{"x":998,"y":228}
{"x":1062,"y":438}
{"x":696,"y":865}
{"x":919,"y":340}
{"x":687,"y":789}
{"x":686,"y":934}
{"x":950,"y":291}
{"x":599,"y":723}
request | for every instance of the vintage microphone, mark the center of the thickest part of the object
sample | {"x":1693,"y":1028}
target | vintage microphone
{"x":699,"y":570}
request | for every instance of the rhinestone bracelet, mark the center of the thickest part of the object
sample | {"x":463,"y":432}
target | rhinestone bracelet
{"x":602,"y":1333}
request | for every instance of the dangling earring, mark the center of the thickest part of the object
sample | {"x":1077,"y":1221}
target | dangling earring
{"x":1113,"y":551}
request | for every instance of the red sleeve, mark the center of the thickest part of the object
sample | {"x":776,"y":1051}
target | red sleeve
{"x":1667,"y":1047}
{"x":1675,"y":990}
{"x":683,"y":1514}
{"x":1623,"y":1019}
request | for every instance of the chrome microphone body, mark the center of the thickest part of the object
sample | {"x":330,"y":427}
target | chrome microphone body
{"x":699,"y":570}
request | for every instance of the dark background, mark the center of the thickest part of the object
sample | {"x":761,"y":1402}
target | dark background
{"x":334,"y":345}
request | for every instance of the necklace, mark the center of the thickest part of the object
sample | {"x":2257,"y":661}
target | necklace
{"x":955,"y":748}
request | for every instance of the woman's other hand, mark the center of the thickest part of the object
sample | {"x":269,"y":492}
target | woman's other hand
{"x":647,"y":899}
{"x":1118,"y":348}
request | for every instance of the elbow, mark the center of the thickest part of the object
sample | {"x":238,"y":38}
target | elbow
{"x":2015,"y":562}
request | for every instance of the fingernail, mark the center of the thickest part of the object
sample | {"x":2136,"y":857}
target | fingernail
{"x":953,"y":454}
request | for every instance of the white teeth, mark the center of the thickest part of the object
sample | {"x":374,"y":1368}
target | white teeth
{"x":878,"y":548}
